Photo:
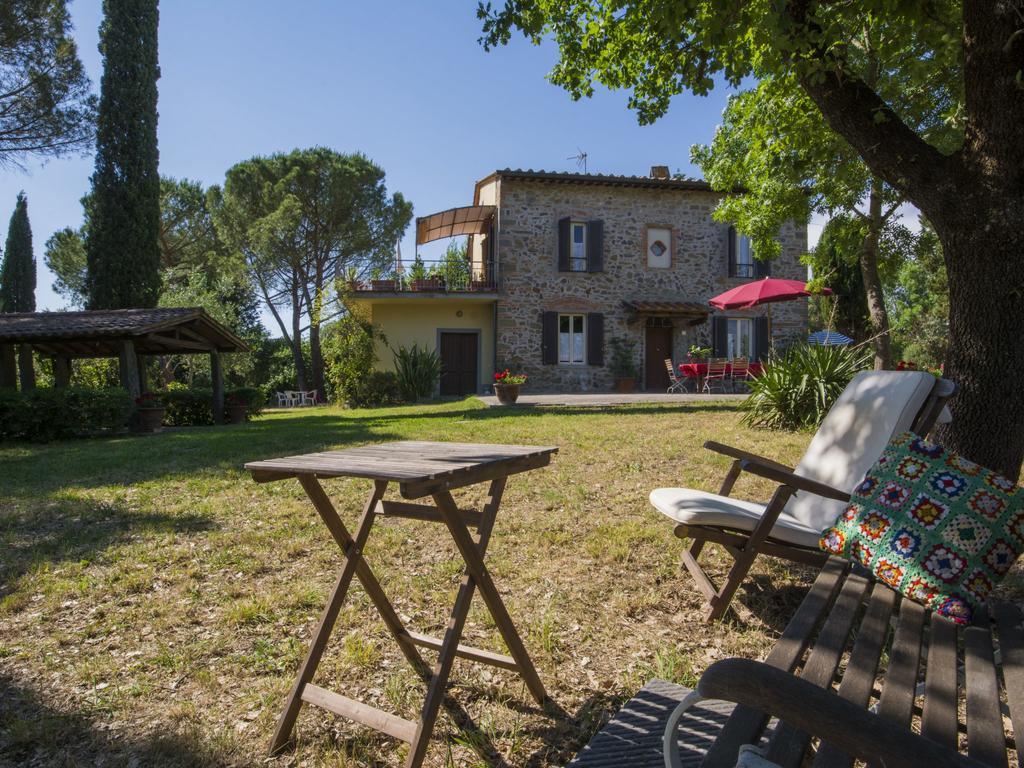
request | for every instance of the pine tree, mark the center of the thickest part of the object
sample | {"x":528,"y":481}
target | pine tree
{"x":18,"y":281}
{"x":18,"y":274}
{"x":122,"y":250}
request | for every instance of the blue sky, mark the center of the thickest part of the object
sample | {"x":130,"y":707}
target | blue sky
{"x":406,"y":83}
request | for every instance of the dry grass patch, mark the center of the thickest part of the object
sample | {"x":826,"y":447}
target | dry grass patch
{"x":155,"y":602}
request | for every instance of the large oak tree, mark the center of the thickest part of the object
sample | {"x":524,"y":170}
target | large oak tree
{"x":973,"y":194}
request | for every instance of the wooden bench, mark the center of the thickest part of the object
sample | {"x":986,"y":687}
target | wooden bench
{"x":860,"y":673}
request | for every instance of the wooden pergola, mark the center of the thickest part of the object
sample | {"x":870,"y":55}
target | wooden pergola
{"x":127,"y":334}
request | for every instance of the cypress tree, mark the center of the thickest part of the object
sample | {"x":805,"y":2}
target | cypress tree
{"x":18,"y":274}
{"x":122,"y":249}
{"x":18,"y":281}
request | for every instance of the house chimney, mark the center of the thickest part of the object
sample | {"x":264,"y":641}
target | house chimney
{"x":659,"y":172}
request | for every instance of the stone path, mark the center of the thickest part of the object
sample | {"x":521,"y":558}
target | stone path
{"x":577,"y":399}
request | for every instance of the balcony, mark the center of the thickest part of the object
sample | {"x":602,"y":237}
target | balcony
{"x":438,"y":277}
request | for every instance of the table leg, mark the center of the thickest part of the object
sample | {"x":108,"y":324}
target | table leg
{"x":476,"y":568}
{"x":353,"y":549}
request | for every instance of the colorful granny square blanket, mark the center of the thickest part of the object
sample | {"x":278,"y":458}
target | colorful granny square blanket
{"x":939,"y":529}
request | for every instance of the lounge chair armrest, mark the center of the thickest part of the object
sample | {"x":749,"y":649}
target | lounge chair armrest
{"x":788,"y":477}
{"x":737,"y":453}
{"x":862,"y":734}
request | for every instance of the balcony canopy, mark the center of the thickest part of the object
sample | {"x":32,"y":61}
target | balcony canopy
{"x":468,"y":220}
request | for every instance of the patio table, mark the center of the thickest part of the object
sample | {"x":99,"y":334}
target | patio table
{"x":419,"y":469}
{"x":700,"y":370}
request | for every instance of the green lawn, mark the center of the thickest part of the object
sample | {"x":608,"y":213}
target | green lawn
{"x":155,"y":602}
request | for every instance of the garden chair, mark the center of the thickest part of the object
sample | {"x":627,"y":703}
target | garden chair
{"x":676,"y":385}
{"x":844,"y":684}
{"x":285,"y":399}
{"x":740,"y":372}
{"x":307,"y":398}
{"x":875,"y":406}
{"x":718,"y":374}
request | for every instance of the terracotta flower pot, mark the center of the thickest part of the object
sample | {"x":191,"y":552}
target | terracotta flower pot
{"x":237,"y":413}
{"x":625,"y":384}
{"x":149,"y":419}
{"x":429,"y":284}
{"x":383,"y":285}
{"x":507,"y":393}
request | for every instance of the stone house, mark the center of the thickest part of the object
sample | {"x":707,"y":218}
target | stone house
{"x":564,"y":266}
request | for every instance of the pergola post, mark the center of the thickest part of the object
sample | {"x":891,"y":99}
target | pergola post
{"x":217,"y":377}
{"x":143,"y":382}
{"x":26,"y":367}
{"x":8,"y":368}
{"x":61,"y":371}
{"x":128,"y":366}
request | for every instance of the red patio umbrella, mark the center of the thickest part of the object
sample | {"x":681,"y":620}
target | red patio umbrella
{"x":766,"y":291}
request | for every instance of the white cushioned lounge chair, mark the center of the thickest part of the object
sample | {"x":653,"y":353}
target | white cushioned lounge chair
{"x":874,"y":407}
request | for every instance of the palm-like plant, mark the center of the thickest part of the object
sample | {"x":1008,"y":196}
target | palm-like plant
{"x":419,"y":370}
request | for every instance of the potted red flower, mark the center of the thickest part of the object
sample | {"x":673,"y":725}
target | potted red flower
{"x":506,"y":386}
{"x":149,"y":412}
{"x":237,"y":408}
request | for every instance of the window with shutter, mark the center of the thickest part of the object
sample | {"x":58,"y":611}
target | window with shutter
{"x":720,"y":336}
{"x":571,"y":342}
{"x":595,"y":338}
{"x":563,"y":244}
{"x":595,"y":246}
{"x":549,"y":338}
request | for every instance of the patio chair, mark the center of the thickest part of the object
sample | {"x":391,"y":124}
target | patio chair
{"x":676,"y":385}
{"x":285,"y":399}
{"x":874,"y":407}
{"x":718,"y":375}
{"x":307,"y":398}
{"x":844,"y":682}
{"x":740,"y":372}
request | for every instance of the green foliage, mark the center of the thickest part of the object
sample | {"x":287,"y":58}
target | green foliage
{"x":374,"y":389}
{"x":622,"y":360}
{"x":41,"y":415}
{"x":919,"y":304}
{"x":122,"y":250}
{"x":454,"y":267}
{"x":254,"y":397}
{"x":193,"y":406}
{"x":348,"y":358}
{"x":46,"y":107}
{"x":18,"y":272}
{"x":797,"y":388}
{"x":418,"y":370}
{"x":835,"y":265}
{"x":64,"y":255}
{"x":418,"y":270}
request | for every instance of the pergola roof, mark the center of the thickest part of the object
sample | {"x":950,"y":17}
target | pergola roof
{"x":468,"y":220}
{"x":696,"y":313}
{"x":100,"y":333}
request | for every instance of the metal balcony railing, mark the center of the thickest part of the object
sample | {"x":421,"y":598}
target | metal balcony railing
{"x":440,"y":277}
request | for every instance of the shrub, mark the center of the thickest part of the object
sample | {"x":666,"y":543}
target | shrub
{"x":419,"y":370}
{"x":373,"y":390}
{"x":798,"y":387}
{"x":348,"y":358}
{"x":41,"y":414}
{"x":254,"y":397}
{"x":187,"y":407}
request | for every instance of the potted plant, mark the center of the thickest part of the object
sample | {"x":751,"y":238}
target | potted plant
{"x":419,"y":280}
{"x":379,"y":283}
{"x":149,"y":413}
{"x":237,"y":408}
{"x":697,"y":353}
{"x":352,"y":279}
{"x":623,"y":365}
{"x":506,"y":386}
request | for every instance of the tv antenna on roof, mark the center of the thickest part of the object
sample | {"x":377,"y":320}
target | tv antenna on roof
{"x":580,"y":158}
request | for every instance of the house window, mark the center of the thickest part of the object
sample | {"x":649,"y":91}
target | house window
{"x":740,"y":338}
{"x":659,"y":248}
{"x":578,"y":247}
{"x":572,"y":347}
{"x":743,"y":259}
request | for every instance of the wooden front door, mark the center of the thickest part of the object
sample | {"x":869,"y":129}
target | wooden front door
{"x":459,"y":365}
{"x":658,"y":346}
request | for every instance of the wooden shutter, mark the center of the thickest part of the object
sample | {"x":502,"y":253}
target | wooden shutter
{"x":549,"y":338}
{"x":762,"y":268}
{"x":595,"y":246}
{"x":720,"y":336}
{"x":595,"y":338}
{"x":564,"y":244}
{"x":762,"y":341}
{"x":730,"y":251}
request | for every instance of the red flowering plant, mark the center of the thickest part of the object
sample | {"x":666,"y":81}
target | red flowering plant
{"x":507,"y":377}
{"x":149,"y":400}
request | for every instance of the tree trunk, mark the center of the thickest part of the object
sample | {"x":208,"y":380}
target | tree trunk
{"x":26,"y":367}
{"x":316,"y":362}
{"x":296,"y":342}
{"x":982,"y":245}
{"x":873,"y":283}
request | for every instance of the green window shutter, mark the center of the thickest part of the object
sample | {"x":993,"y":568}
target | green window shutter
{"x":595,"y":338}
{"x":564,"y":244}
{"x":549,"y":338}
{"x":595,"y":246}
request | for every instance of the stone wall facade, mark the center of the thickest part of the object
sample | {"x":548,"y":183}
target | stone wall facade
{"x":531,"y":283}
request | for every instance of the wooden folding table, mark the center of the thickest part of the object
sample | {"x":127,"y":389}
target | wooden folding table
{"x":420,"y":469}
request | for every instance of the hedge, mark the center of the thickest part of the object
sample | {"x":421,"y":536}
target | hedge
{"x":44,"y":414}
{"x":193,"y":407}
